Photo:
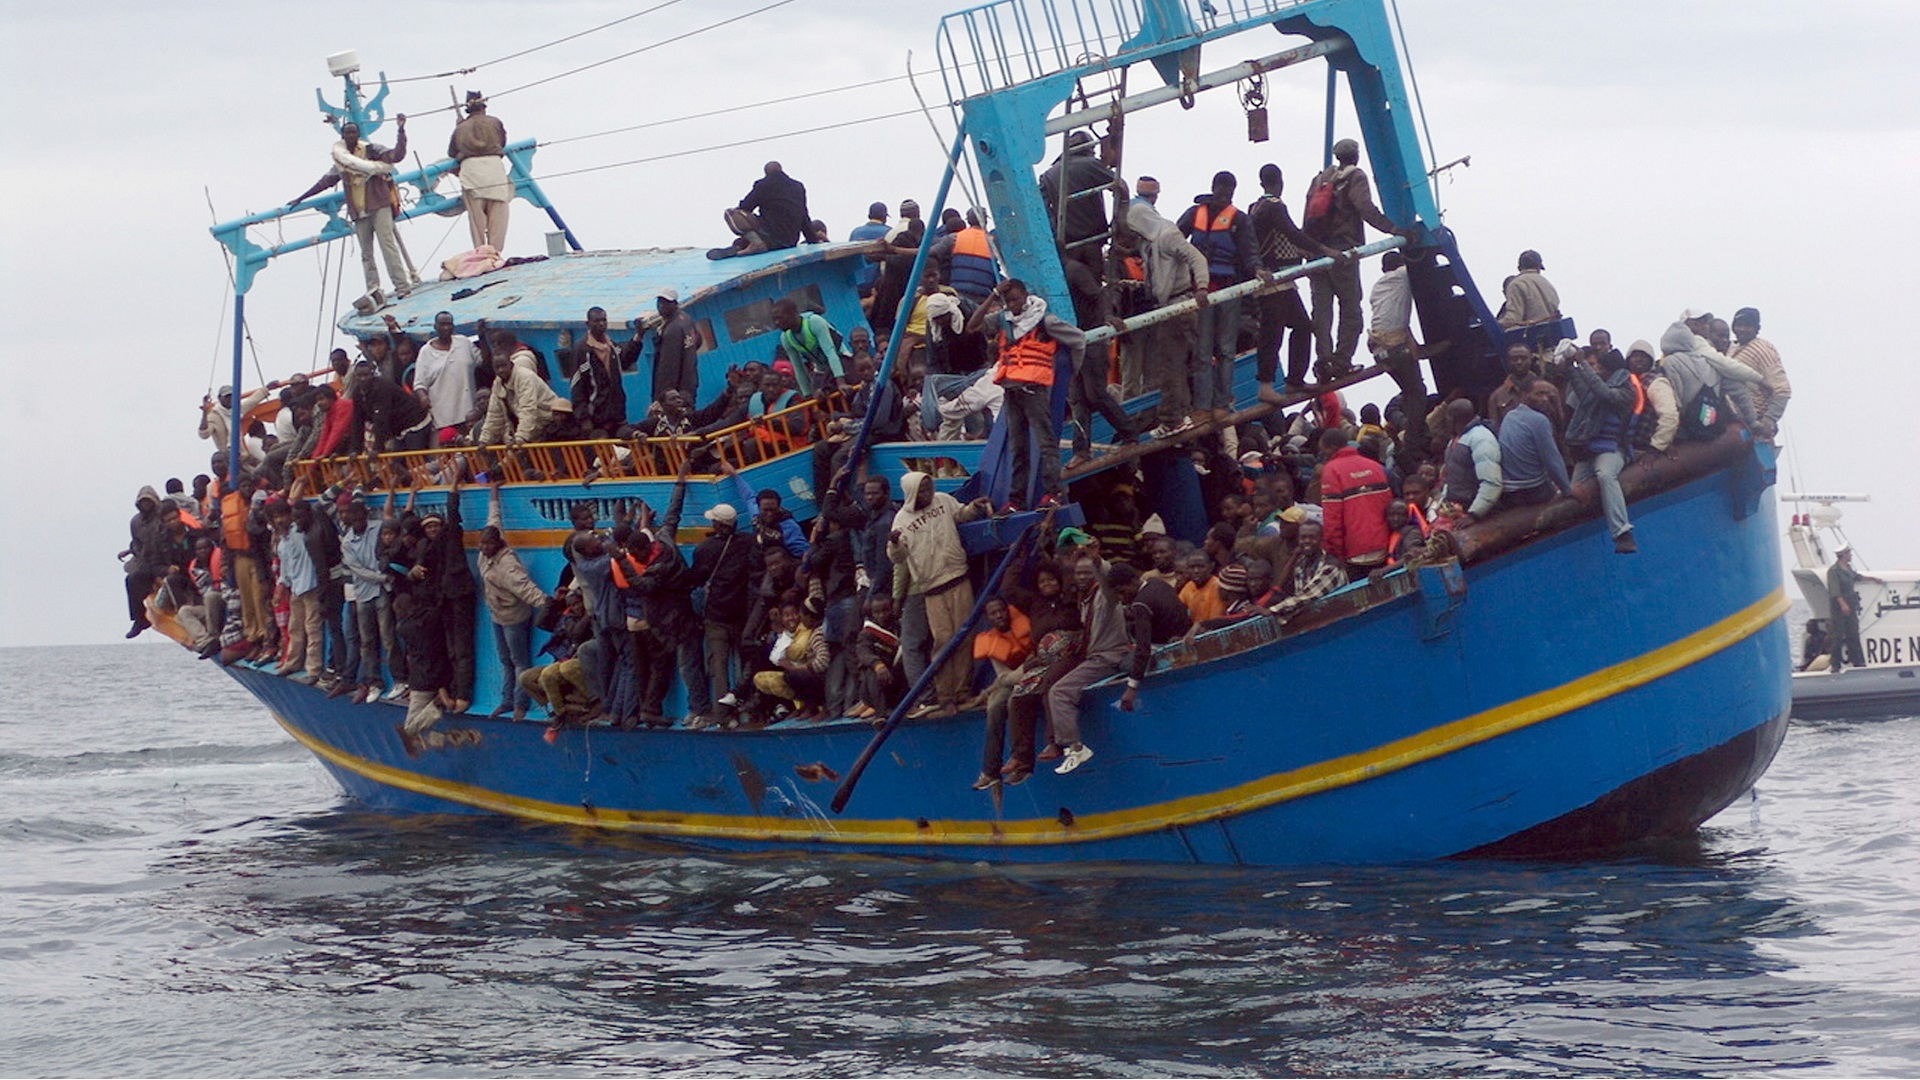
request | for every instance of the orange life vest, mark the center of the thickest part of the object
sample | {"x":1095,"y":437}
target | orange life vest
{"x":633,"y":564}
{"x":233,"y":522}
{"x":1028,"y":360}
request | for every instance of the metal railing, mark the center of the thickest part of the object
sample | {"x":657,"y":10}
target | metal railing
{"x":742,"y":445}
{"x":1000,"y":44}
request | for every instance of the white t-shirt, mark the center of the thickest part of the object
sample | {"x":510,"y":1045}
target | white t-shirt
{"x":447,"y":377}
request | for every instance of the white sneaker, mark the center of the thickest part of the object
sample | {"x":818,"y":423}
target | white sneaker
{"x":399,"y":691}
{"x":1077,"y":755}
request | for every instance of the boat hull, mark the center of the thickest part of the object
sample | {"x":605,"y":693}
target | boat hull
{"x":1871,"y":693}
{"x":1571,"y":699}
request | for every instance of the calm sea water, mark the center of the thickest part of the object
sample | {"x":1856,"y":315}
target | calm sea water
{"x":185,"y":893}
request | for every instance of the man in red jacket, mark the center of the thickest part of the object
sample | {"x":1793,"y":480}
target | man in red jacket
{"x":1354,"y":494}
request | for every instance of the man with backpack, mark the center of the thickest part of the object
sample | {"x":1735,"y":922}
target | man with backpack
{"x":1706,"y":385}
{"x":1339,"y":208}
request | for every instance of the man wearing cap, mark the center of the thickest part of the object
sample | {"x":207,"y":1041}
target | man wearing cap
{"x":727,"y":566}
{"x":1843,"y":608}
{"x":1770,"y":397}
{"x":676,"y":349}
{"x":370,"y":200}
{"x":911,"y":228}
{"x":216,"y":419}
{"x":478,"y":149}
{"x":1339,"y":219}
{"x":874,"y":228}
{"x":1530,"y":298}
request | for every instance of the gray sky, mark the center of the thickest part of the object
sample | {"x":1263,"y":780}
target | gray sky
{"x":1659,"y":155}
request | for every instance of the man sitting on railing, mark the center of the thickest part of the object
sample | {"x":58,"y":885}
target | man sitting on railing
{"x":1311,"y":574}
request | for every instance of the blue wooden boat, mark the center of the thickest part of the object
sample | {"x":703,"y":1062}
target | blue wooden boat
{"x":1539,"y":695}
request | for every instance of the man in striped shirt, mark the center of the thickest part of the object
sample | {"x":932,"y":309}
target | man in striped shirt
{"x":1770,"y":397}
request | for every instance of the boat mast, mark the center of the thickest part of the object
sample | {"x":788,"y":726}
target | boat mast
{"x":369,"y":114}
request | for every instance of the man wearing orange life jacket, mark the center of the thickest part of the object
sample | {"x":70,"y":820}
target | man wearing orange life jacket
{"x":256,"y":614}
{"x":1225,"y":236}
{"x":969,"y":262}
{"x":1028,"y":340}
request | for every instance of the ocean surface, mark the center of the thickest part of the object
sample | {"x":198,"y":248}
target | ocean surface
{"x":183,"y":891}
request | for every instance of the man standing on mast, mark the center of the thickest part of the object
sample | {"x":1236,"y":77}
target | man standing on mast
{"x":371,"y":200}
{"x":478,"y":149}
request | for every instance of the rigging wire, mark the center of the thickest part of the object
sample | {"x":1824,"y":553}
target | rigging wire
{"x":723,"y":112}
{"x":968,"y":177}
{"x":537,"y":48}
{"x":227,"y":255}
{"x":320,"y":309}
{"x":730,"y":20}
{"x":695,"y":32}
{"x":219,"y":332}
{"x":1419,"y":105}
{"x":728,"y":145}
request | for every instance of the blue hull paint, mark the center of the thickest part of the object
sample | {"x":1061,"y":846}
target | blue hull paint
{"x":1533,"y":621}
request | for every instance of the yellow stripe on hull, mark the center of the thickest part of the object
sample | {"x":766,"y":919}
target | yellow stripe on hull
{"x":1253,"y":795}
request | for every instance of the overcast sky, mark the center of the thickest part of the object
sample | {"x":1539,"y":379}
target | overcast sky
{"x":1660,"y":155}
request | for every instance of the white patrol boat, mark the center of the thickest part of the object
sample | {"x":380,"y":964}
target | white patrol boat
{"x":1889,"y":684}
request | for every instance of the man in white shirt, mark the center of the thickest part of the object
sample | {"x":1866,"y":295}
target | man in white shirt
{"x":444,"y":371}
{"x":1390,"y":338}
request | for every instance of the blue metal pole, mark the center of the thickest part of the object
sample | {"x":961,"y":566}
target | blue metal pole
{"x":237,"y":417}
{"x":906,"y":304}
{"x":1333,"y":89}
{"x":946,"y":651}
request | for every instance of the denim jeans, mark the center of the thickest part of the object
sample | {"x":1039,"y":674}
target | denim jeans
{"x":1605,"y":468}
{"x":1213,"y":360}
{"x":692,"y":657}
{"x":515,"y":646}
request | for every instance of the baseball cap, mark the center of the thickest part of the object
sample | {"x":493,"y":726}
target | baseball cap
{"x":722,"y":512}
{"x":670,"y":294}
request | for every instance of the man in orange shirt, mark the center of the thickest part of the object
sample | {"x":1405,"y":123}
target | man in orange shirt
{"x":1006,"y":643}
{"x":1201,"y":591}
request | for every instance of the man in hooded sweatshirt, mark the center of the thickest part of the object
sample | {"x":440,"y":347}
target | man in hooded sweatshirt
{"x":930,"y":572}
{"x":1693,"y":367}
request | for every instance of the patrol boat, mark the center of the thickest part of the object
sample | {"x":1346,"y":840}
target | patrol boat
{"x":1536,"y":694}
{"x":1889,"y":683}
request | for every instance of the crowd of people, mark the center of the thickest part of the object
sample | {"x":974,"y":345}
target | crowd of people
{"x":767,"y":621}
